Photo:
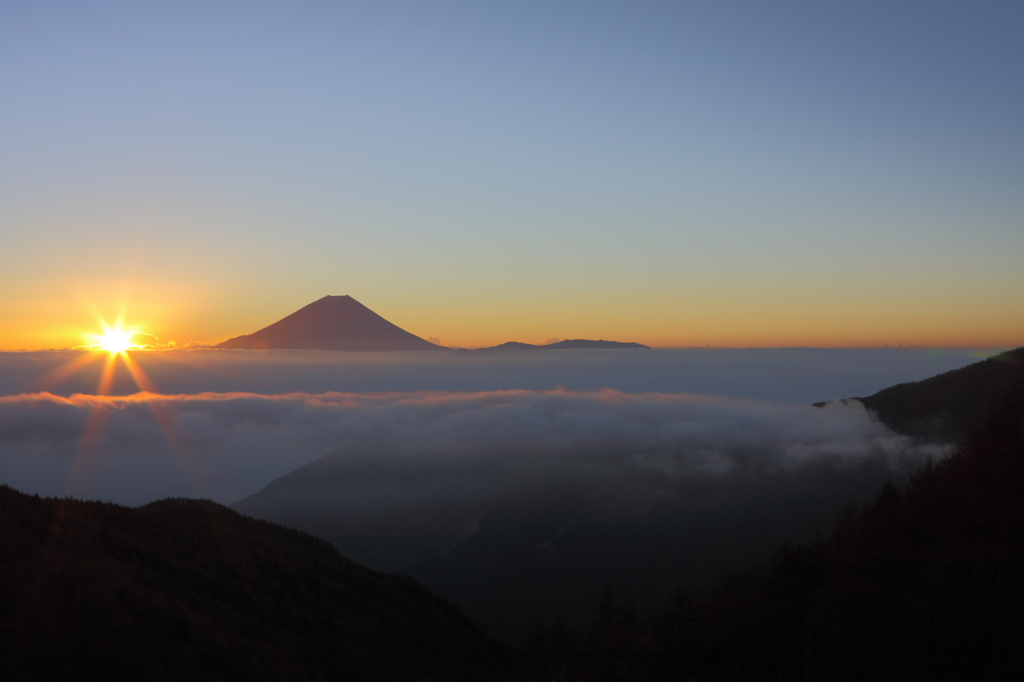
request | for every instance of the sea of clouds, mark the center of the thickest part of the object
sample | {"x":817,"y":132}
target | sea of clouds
{"x":133,"y":449}
{"x":791,"y":376}
{"x":225,"y":424}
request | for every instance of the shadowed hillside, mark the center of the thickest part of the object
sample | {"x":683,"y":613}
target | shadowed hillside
{"x":187,"y":589}
{"x":546,"y":544}
{"x":947,"y":407}
{"x":332,"y":323}
{"x":923,"y":583}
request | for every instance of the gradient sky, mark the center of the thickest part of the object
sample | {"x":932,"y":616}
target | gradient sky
{"x":723,"y":173}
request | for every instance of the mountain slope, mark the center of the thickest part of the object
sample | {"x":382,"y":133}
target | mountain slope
{"x":188,"y":589}
{"x":951,"y":405}
{"x":924,"y":583}
{"x":528,"y":547}
{"x":332,"y":323}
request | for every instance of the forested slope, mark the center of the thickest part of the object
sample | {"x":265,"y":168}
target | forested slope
{"x":922,"y":583}
{"x":188,"y":589}
{"x":951,"y":405}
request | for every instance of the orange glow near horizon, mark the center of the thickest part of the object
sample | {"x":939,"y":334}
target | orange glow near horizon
{"x":116,"y":345}
{"x":119,"y":341}
{"x":662,"y":319}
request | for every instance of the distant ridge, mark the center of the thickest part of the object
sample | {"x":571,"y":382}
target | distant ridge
{"x":333,"y":323}
{"x":568,"y":344}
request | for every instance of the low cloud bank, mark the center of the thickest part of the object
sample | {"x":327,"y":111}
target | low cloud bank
{"x":427,"y":446}
{"x":795,"y":376}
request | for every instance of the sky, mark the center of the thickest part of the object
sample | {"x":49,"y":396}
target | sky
{"x":678,"y":174}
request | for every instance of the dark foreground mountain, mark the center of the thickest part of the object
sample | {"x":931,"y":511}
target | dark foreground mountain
{"x":924,"y":583}
{"x":568,"y":344}
{"x":950,"y":406}
{"x":333,"y":323}
{"x":187,"y":589}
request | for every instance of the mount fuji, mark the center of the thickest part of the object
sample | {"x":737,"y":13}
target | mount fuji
{"x":332,"y":323}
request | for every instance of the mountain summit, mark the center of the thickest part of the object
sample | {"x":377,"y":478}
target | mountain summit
{"x":332,"y":323}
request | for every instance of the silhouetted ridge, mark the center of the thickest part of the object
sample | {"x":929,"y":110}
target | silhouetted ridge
{"x":948,"y":406}
{"x":573,"y":344}
{"x":569,"y":344}
{"x":188,"y":589}
{"x":333,"y":323}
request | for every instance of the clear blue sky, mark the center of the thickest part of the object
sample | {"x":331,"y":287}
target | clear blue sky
{"x":676,"y":173}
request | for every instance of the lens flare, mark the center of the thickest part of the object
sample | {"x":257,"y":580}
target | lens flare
{"x":116,"y":340}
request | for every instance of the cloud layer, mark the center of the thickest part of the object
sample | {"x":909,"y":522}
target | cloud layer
{"x":792,"y":376}
{"x":132,"y":449}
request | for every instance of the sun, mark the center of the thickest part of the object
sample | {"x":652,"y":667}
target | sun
{"x":116,"y":340}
